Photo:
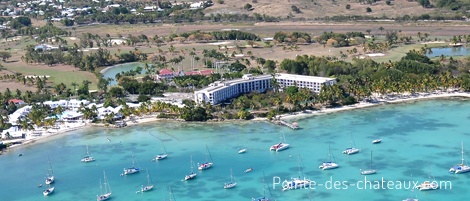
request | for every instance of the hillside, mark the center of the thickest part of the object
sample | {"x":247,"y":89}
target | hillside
{"x":313,"y":9}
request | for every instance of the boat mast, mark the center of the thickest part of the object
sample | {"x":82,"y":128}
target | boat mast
{"x":371,"y":159}
{"x":209,"y":153}
{"x":107,"y":188}
{"x":191,"y":161}
{"x":231,"y":176}
{"x":462,"y":154}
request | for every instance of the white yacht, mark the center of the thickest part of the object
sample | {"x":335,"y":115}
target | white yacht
{"x":191,"y":175}
{"x":148,"y":187}
{"x":376,"y":141}
{"x":107,"y":190}
{"x":163,"y":155}
{"x":329,"y":164}
{"x":241,"y":151}
{"x":231,"y":184}
{"x":460,"y":168}
{"x":279,"y":147}
{"x":133,"y":169}
{"x":87,"y":158}
{"x":297,"y":183}
{"x":206,"y":165}
{"x":370,"y":170}
{"x":48,"y":191}
{"x":428,"y":185}
{"x":351,"y":150}
{"x":50,"y":177}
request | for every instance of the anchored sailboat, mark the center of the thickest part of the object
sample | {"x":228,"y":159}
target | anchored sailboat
{"x":329,"y":164}
{"x":191,"y":175}
{"x":231,"y":184}
{"x":264,"y":198}
{"x":163,"y":154}
{"x":206,"y":165}
{"x":460,"y":168}
{"x":87,"y":158}
{"x":48,"y":191}
{"x":370,"y":170}
{"x":50,"y":174}
{"x":353,"y":149}
{"x":280,"y":146}
{"x":297,"y":183}
{"x":428,"y":185}
{"x":107,"y":190}
{"x":148,"y":187}
{"x":132,"y":169}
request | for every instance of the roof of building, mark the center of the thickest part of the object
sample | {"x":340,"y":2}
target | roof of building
{"x":165,"y":72}
{"x":303,"y":78}
{"x":16,"y":101}
{"x":224,"y":84}
{"x":206,"y":72}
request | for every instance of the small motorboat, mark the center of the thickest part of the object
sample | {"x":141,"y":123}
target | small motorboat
{"x":376,"y":141}
{"x":248,"y":170}
{"x":20,"y":155}
{"x":241,"y":151}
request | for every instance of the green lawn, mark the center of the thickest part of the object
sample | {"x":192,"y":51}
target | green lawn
{"x":57,"y":76}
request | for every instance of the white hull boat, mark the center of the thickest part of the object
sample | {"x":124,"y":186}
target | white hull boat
{"x":376,"y":141}
{"x":370,"y":170}
{"x":279,"y":147}
{"x":190,"y":176}
{"x":107,"y":194}
{"x":460,"y":168}
{"x":350,"y":151}
{"x":297,"y":183}
{"x":427,"y":185}
{"x":87,"y":158}
{"x":241,"y":151}
{"x":204,"y":166}
{"x":48,"y":191}
{"x":50,"y":180}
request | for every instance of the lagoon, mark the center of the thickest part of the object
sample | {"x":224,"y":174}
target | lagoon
{"x":111,"y":71}
{"x":449,"y":52}
{"x":421,"y":140}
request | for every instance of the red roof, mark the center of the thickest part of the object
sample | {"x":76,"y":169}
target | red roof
{"x":16,"y":101}
{"x":166,"y":72}
{"x":206,"y":72}
{"x":191,"y":73}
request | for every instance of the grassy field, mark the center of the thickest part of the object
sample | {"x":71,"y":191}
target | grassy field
{"x":68,"y":74}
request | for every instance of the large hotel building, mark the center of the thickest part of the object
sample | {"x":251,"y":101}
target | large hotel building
{"x":220,"y":91}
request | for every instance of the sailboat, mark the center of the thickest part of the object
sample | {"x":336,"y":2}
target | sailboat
{"x":329,"y":164}
{"x":428,"y":185}
{"x":191,"y":175}
{"x":107,"y":190}
{"x":370,"y":170}
{"x":297,"y":183}
{"x":87,"y":158}
{"x":460,"y":168}
{"x":148,"y":187}
{"x":206,"y":165}
{"x":132,"y":169}
{"x":280,"y":146}
{"x":264,"y":198}
{"x":231,"y":184}
{"x":163,"y":155}
{"x":48,"y":191}
{"x":353,"y":149}
{"x":50,"y":177}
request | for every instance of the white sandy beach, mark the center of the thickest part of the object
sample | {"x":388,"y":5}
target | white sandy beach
{"x":40,"y":135}
{"x":380,"y":101}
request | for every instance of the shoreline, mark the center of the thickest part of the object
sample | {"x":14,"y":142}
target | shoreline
{"x":67,"y":127}
{"x":377,"y":102}
{"x":116,"y":65}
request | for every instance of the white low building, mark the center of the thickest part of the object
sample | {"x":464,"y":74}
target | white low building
{"x":220,"y":91}
{"x":302,"y":81}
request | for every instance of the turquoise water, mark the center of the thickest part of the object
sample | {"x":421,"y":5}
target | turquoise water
{"x":417,"y":137}
{"x":449,"y":52}
{"x":111,"y":72}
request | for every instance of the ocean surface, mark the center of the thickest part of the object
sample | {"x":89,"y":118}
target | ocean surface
{"x":421,"y":141}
